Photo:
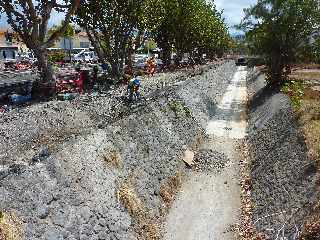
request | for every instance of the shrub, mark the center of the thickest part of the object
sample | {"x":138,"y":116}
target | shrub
{"x":295,"y":90}
{"x":180,"y":109}
{"x":56,"y":56}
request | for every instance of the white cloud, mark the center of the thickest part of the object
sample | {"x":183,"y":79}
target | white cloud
{"x":56,"y":18}
{"x":233,"y":10}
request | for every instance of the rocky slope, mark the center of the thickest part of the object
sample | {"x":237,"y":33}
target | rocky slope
{"x":96,"y":168}
{"x":283,"y":176}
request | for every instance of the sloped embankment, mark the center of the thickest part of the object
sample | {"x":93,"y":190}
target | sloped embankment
{"x":88,"y":175}
{"x":283,"y":176}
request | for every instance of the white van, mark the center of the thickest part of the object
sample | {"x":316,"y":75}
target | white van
{"x":85,"y":56}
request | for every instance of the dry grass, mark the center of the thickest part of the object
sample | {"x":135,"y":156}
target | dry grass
{"x":309,"y":118}
{"x":169,"y":189}
{"x":307,"y":66}
{"x":131,"y":201}
{"x":309,"y":110}
{"x":113,"y":159}
{"x":149,"y":231}
{"x":145,"y":226}
{"x":311,"y":229}
{"x":312,"y":133}
{"x":246,"y":229}
{"x":10,"y":227}
{"x":312,"y":75}
{"x":311,"y":94}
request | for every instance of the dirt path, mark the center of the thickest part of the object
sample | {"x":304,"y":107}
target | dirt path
{"x":208,"y":205}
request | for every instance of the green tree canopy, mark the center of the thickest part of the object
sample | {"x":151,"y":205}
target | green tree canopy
{"x":278,"y":29}
{"x":188,"y":25}
{"x":110,"y":25}
{"x":69,"y":31}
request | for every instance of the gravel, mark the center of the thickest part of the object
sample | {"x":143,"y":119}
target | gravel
{"x":62,"y":163}
{"x":210,"y":161}
{"x":283,"y":177}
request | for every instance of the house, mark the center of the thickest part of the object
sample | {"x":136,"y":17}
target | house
{"x":80,"y":40}
{"x":9,"y":46}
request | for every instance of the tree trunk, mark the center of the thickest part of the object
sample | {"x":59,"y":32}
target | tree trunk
{"x":166,"y":53}
{"x":180,"y":54}
{"x":46,"y":85}
{"x":96,"y":45}
{"x":116,"y":70}
{"x":139,"y":39}
{"x":130,"y":53}
{"x":137,"y":42}
{"x":43,"y":66}
{"x":276,"y":71}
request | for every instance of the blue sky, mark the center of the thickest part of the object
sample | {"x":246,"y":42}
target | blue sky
{"x":56,"y":18}
{"x":233,"y":12}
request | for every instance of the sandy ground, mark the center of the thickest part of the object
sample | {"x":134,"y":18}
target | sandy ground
{"x":208,"y":205}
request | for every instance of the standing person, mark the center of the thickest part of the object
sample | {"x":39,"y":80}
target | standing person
{"x":128,"y":74}
{"x":94,"y":78}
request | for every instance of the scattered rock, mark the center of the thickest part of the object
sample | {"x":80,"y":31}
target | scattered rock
{"x":41,"y":156}
{"x":17,"y":168}
{"x":188,"y":157}
{"x":43,"y":212}
{"x":53,"y":234}
{"x":210,"y":160}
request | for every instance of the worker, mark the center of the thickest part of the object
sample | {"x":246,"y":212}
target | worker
{"x":151,"y":66}
{"x":94,"y":79}
{"x":134,"y":88}
{"x":128,"y":74}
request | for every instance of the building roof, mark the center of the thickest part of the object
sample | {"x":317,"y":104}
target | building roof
{"x":2,"y":46}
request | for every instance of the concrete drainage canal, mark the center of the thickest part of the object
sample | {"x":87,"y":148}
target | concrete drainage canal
{"x":109,"y":172}
{"x":207,"y":207}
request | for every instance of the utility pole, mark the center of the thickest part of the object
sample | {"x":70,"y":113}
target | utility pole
{"x":70,"y":47}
